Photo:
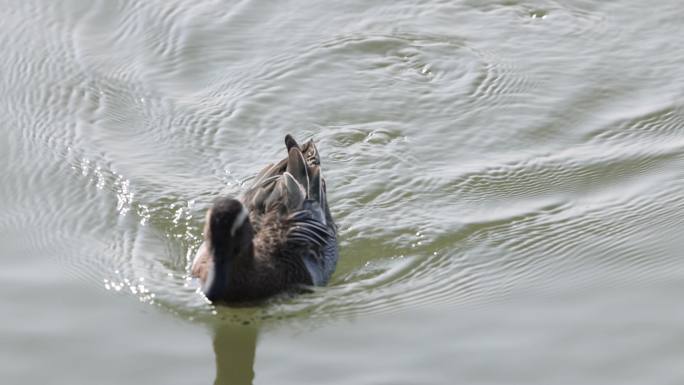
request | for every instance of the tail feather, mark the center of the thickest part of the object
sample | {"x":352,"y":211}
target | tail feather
{"x":315,"y":191}
{"x":290,"y":142}
{"x":311,"y":153}
{"x":289,"y":182}
{"x":296,"y":166}
{"x":295,"y":192}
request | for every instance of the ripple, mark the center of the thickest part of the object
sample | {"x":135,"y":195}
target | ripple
{"x":566,"y":19}
{"x":499,"y":79}
{"x":572,"y":172}
{"x":496,"y":257}
{"x":663,"y":127}
{"x":446,"y":61}
{"x":131,"y":117}
{"x":399,"y":57}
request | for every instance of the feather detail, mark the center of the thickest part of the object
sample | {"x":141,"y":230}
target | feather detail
{"x":292,"y":237}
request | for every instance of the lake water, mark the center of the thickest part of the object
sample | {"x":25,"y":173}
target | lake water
{"x":507,"y":177}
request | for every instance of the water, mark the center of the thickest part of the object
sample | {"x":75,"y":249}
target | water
{"x":507,"y":178}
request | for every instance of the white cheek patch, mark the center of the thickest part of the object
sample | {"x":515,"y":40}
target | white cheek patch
{"x":239,"y":220}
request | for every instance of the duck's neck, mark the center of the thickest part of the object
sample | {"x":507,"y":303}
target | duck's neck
{"x":227,"y":270}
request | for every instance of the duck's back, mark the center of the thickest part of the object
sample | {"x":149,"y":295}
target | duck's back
{"x":295,"y":236}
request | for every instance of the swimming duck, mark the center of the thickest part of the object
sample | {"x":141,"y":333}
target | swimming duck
{"x":278,"y":237}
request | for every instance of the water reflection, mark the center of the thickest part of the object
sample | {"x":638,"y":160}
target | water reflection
{"x":234,"y":347}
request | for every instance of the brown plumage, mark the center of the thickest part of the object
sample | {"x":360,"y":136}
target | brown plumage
{"x":277,"y":237}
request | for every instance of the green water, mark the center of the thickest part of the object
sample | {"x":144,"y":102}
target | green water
{"x":506,"y":175}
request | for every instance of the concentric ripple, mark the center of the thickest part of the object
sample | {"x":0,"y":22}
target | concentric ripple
{"x":466,"y":161}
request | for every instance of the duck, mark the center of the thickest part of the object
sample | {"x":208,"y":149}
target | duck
{"x":277,"y":237}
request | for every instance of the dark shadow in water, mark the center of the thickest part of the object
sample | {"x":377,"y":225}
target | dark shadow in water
{"x":234,"y":347}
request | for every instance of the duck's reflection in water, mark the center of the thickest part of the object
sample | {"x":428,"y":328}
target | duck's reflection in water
{"x":234,"y":347}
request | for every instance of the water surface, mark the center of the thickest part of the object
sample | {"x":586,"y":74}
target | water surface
{"x":506,"y":176}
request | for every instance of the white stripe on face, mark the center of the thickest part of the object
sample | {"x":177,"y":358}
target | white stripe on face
{"x":239,"y":220}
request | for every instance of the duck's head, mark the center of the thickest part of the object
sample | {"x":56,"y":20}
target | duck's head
{"x":228,"y":234}
{"x":227,"y":227}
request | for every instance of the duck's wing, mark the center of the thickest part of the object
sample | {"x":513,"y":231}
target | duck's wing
{"x":311,"y":153}
{"x":308,"y":221}
{"x":291,"y":188}
{"x":262,"y":187}
{"x":295,"y":188}
{"x":313,"y":225}
{"x":287,"y":184}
